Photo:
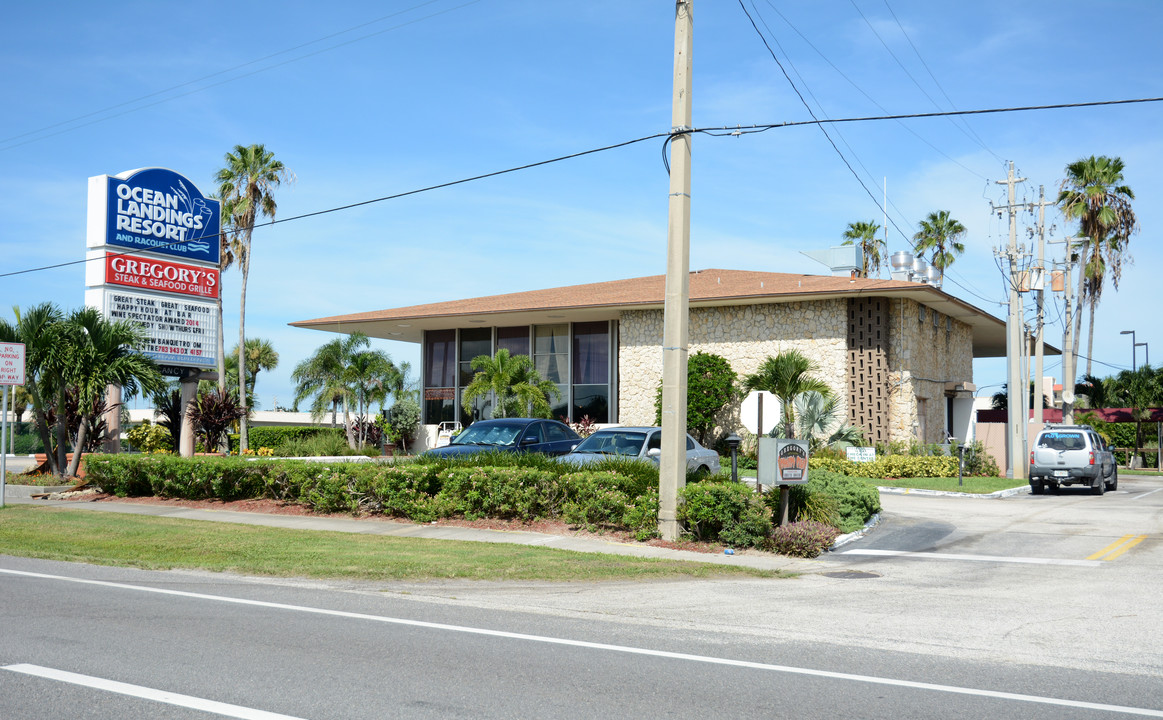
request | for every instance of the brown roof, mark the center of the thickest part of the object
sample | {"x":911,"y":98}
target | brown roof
{"x":604,"y":300}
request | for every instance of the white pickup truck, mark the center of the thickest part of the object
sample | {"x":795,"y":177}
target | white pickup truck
{"x":1072,"y":455}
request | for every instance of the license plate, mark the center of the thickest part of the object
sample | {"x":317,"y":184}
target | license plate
{"x":1061,"y":473}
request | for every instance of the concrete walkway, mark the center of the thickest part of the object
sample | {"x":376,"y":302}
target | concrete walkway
{"x":436,"y":531}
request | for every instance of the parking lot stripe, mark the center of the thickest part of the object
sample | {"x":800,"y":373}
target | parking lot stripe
{"x":1118,"y":547}
{"x":974,"y":558}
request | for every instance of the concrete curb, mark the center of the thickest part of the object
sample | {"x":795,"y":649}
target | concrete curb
{"x":1009,"y":492}
{"x":27,"y":491}
{"x":853,"y":536}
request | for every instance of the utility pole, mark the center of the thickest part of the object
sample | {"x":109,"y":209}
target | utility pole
{"x":1040,"y":288}
{"x":672,"y":463}
{"x":1016,"y":418}
{"x":1068,"y":347}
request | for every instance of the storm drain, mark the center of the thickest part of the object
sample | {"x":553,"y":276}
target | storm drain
{"x":851,"y":574}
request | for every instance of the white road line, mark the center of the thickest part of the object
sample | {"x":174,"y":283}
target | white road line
{"x":161,"y":696}
{"x":974,"y":558}
{"x":1149,"y":492}
{"x":788,"y":669}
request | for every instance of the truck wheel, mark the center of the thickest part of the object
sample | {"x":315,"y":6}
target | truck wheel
{"x":1099,"y":486}
{"x":1036,"y":488}
{"x":1051,"y":488}
{"x":1114,"y":481}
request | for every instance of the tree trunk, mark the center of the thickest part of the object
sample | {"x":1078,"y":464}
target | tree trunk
{"x":62,"y":434}
{"x":347,"y":424}
{"x":1078,"y":307}
{"x":221,"y":346}
{"x":245,"y":263}
{"x":75,"y":464}
{"x":42,"y":429}
{"x":1090,"y":335}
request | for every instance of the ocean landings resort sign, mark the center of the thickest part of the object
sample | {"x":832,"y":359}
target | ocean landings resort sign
{"x":139,"y":222}
{"x":154,"y":210}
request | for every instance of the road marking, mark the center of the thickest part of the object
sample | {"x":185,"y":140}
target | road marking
{"x":1150,"y":492}
{"x":138,"y":691}
{"x":786,"y":669}
{"x":1118,"y":547}
{"x":973,"y":558}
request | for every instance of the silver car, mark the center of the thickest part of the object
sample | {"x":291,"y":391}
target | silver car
{"x":643,"y":443}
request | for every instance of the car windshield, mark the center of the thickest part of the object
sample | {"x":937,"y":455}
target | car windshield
{"x":609,"y":442}
{"x":489,"y":434}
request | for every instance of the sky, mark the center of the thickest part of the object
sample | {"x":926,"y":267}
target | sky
{"x":365,"y":100}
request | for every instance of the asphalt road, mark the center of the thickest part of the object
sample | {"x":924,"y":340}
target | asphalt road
{"x":1028,"y":607}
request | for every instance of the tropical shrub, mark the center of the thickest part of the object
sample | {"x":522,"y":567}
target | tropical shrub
{"x":855,"y":500}
{"x":726,"y":512}
{"x":149,"y":438}
{"x":806,"y":539}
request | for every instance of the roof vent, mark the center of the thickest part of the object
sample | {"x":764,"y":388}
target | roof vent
{"x":840,"y":259}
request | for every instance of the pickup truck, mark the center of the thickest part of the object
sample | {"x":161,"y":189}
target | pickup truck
{"x":1071,"y":455}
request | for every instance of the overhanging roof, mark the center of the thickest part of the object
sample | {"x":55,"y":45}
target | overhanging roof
{"x":606,"y":300}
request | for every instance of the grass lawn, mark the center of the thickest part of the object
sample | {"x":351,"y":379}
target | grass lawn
{"x":164,"y":543}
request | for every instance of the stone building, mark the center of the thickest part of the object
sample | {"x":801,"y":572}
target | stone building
{"x":899,"y":354}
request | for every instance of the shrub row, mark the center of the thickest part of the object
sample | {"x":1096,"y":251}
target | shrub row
{"x":273,"y":437}
{"x":890,"y":466}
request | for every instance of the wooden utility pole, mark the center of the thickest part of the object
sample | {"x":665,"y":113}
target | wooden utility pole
{"x":1040,"y":404}
{"x":672,"y":464}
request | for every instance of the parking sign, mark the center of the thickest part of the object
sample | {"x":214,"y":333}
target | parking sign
{"x":11,"y":363}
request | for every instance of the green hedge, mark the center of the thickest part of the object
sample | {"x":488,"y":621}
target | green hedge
{"x":272,"y":437}
{"x":890,"y":466}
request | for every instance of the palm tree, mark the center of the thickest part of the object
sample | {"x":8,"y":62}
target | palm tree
{"x":260,"y":355}
{"x":821,"y":422}
{"x":940,"y":233}
{"x":1093,"y":194}
{"x":321,"y":376}
{"x":37,"y":328}
{"x":864,"y":235}
{"x":514,"y":383}
{"x":245,"y":188}
{"x":787,"y":377}
{"x":105,"y":353}
{"x":369,"y":375}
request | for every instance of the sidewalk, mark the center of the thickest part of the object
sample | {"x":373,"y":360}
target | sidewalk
{"x":435,"y":531}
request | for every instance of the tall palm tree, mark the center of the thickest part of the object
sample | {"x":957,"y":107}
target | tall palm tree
{"x":942,"y":234}
{"x":321,"y":377}
{"x":104,"y":353}
{"x":513,"y":382}
{"x":1093,"y":194}
{"x":864,"y":235}
{"x":787,"y":376}
{"x":245,"y":187}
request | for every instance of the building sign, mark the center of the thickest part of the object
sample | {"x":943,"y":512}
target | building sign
{"x":164,"y":275}
{"x":782,"y":462}
{"x":154,"y":210}
{"x":439,"y":393}
{"x":860,"y":454}
{"x":11,"y":364}
{"x":179,"y":331}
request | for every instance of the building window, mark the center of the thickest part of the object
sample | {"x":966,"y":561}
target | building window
{"x":513,"y":339}
{"x":474,"y":342}
{"x":591,"y":371}
{"x":439,"y":376}
{"x":551,"y":358}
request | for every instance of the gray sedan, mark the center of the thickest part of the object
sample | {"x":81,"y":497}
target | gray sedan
{"x":643,"y":443}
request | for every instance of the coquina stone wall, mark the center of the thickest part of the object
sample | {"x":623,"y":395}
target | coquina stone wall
{"x":745,"y":335}
{"x":927,"y":349}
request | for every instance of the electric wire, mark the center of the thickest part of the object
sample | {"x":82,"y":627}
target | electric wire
{"x":722,"y":131}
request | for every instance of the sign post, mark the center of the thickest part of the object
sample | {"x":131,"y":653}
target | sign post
{"x":11,"y":373}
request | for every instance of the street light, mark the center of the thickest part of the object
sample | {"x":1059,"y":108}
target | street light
{"x":1146,"y":353}
{"x":1133,"y":345}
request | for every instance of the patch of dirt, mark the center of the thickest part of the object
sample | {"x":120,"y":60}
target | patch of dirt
{"x":284,"y":507}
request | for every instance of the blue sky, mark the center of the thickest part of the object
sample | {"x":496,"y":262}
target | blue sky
{"x":364,"y":100}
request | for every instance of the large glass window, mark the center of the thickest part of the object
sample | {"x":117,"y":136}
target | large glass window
{"x":440,"y":358}
{"x":514,"y":339}
{"x":591,"y":353}
{"x":592,"y":400}
{"x":473,"y":342}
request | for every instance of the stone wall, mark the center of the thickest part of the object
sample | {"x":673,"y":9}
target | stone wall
{"x":745,"y":335}
{"x":927,"y":349}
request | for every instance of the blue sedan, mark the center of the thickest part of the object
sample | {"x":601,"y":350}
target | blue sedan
{"x":548,"y":437}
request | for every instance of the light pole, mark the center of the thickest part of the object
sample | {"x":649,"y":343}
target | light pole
{"x":1146,"y":353}
{"x":1133,"y":345}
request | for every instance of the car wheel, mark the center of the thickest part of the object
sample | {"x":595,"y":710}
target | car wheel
{"x":1051,"y":488}
{"x":1099,"y":487}
{"x":1036,"y":488}
{"x":702,"y":472}
{"x":1114,"y":482}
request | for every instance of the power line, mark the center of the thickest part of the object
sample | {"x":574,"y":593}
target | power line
{"x":723,"y":131}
